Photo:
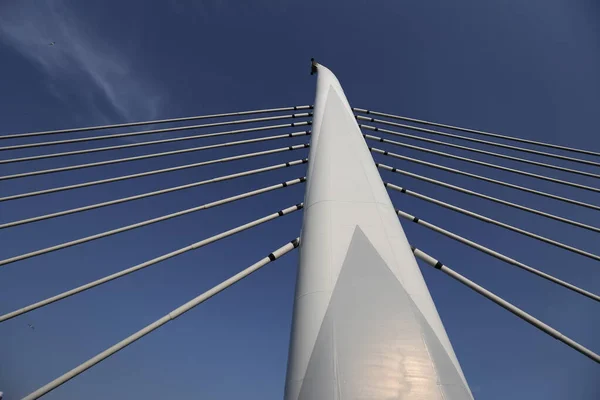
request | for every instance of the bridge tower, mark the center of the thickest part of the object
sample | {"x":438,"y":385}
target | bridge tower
{"x":364,"y":323}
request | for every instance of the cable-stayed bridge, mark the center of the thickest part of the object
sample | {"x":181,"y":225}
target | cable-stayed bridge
{"x":364,"y":323}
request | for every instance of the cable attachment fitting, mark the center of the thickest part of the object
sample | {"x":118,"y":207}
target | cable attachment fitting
{"x":313,"y":66}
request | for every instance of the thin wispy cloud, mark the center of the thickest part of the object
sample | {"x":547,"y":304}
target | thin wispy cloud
{"x":64,"y":47}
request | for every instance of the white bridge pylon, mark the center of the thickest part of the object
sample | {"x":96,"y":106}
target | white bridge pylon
{"x":364,"y":325}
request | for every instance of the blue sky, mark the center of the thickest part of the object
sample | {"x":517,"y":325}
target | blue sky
{"x":526,"y":69}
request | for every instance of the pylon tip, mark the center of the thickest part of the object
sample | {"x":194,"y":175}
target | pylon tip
{"x":313,"y":66}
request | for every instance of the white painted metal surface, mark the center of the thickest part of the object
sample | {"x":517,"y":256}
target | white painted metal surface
{"x":486,"y":142}
{"x":146,"y":156}
{"x":494,"y":222}
{"x":495,"y":135}
{"x":148,"y":263}
{"x":506,"y":305}
{"x":365,"y":326}
{"x":150,"y":194}
{"x":158,"y":121}
{"x":154,"y":172}
{"x":477,"y":162}
{"x":474,"y":150}
{"x":487,"y":197}
{"x":482,"y":178}
{"x":152,"y":142}
{"x":497,"y":255}
{"x":280,"y":252}
{"x":147,"y":222}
